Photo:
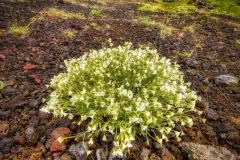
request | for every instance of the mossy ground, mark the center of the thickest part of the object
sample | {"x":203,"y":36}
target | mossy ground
{"x":222,"y":7}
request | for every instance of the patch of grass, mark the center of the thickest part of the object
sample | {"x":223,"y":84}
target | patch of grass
{"x":221,"y":7}
{"x":69,"y":33}
{"x":189,"y":28}
{"x":232,"y":24}
{"x":180,"y":6}
{"x":17,"y":30}
{"x":55,"y":12}
{"x":225,"y":7}
{"x":238,"y":41}
{"x":2,"y":85}
{"x":165,"y":30}
{"x":96,"y":12}
{"x":186,"y":54}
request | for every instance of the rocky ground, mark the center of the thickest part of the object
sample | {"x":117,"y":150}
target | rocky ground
{"x":205,"y":47}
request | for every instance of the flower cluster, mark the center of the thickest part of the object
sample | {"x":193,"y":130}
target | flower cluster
{"x":126,"y":92}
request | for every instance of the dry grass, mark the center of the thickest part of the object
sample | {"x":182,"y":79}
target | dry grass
{"x":165,"y":30}
{"x":54,"y":12}
{"x":17,"y":30}
{"x":70,"y":33}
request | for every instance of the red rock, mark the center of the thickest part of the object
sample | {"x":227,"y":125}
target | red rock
{"x":35,"y":49}
{"x":2,"y":57}
{"x":60,"y":132}
{"x":35,"y":79}
{"x":42,"y":44}
{"x":55,"y":145}
{"x":28,"y":66}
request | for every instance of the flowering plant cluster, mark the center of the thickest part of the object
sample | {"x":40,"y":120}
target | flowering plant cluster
{"x":126,"y":92}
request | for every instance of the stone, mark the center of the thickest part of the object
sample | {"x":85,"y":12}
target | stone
{"x":36,"y":156}
{"x":109,"y":139}
{"x":78,"y":151}
{"x":31,"y":135}
{"x":4,"y":127}
{"x":192,"y":72}
{"x":237,"y":104}
{"x":65,"y":156}
{"x":55,"y":145}
{"x":153,"y":156}
{"x":19,"y":139}
{"x":167,"y":155}
{"x":116,"y":157}
{"x":211,"y":114}
{"x":236,"y":97}
{"x":226,"y":80}
{"x":203,"y":104}
{"x":206,"y":152}
{"x":101,"y":154}
{"x":191,"y":62}
{"x":60,"y":132}
{"x":233,"y":136}
{"x":208,"y":130}
{"x":145,"y":153}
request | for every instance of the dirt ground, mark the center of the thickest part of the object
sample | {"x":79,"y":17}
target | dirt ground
{"x":28,"y":63}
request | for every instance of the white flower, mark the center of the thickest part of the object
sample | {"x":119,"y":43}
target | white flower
{"x":45,"y":110}
{"x":135,"y":120}
{"x":141,"y":107}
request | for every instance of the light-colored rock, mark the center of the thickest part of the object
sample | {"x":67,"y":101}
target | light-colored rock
{"x":153,"y":156}
{"x":211,"y":114}
{"x":206,"y":152}
{"x":101,"y":154}
{"x":31,"y":135}
{"x":145,"y":154}
{"x":78,"y":151}
{"x":226,"y":80}
{"x":167,"y":155}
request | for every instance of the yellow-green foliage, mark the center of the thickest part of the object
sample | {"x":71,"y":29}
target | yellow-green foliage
{"x":69,"y":33}
{"x":226,"y":7}
{"x":238,"y":41}
{"x":165,"y":30}
{"x":180,"y":6}
{"x":2,"y":85}
{"x":124,"y":92}
{"x":190,"y":28}
{"x":222,"y":7}
{"x":17,"y":30}
{"x":55,"y":12}
{"x":186,"y":54}
{"x":95,"y":12}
